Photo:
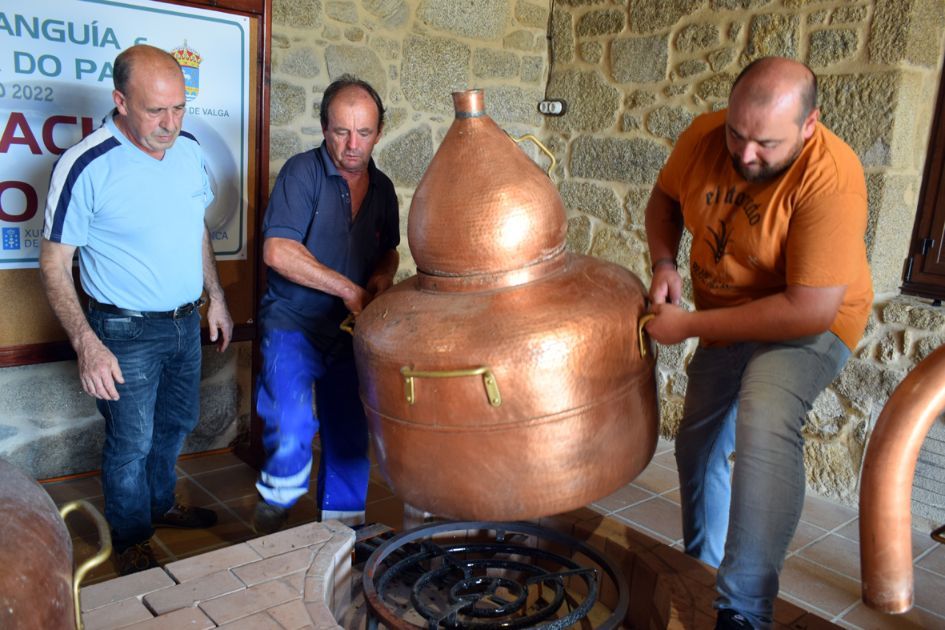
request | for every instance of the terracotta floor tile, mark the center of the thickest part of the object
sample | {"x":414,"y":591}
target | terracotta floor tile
{"x":805,"y":535}
{"x":934,"y":560}
{"x":305,"y":510}
{"x":207,"y":463}
{"x":212,"y":562}
{"x":928,"y":591}
{"x":243,"y":507}
{"x":809,"y":582}
{"x":228,"y":483}
{"x":862,"y":616}
{"x":223,"y":477}
{"x":116,"y":615}
{"x":657,"y":479}
{"x":599,"y":510}
{"x":656,"y":515}
{"x":825,"y":513}
{"x":664,"y":446}
{"x":82,"y":488}
{"x":838,"y":553}
{"x":190,"y":618}
{"x":622,"y":498}
{"x":229,"y":530}
{"x":803,"y":605}
{"x":126,"y":587}
{"x":666,"y":459}
{"x":189,"y":492}
{"x":787,"y":612}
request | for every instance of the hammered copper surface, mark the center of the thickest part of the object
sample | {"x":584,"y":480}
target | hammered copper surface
{"x":565,"y":411}
{"x":35,"y":556}
{"x":886,"y":485}
{"x":482,"y":205}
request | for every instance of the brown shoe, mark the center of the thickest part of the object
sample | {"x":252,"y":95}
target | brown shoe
{"x":186,"y":516}
{"x":136,"y":558}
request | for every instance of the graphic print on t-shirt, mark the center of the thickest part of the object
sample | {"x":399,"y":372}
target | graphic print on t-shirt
{"x":719,"y":240}
{"x":728,"y":212}
{"x":720,"y":236}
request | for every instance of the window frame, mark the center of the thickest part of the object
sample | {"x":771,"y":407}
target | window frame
{"x":923,"y":273}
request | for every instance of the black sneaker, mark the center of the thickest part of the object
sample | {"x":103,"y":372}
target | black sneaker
{"x":136,"y":558}
{"x":186,"y":517}
{"x":268,"y":519}
{"x":729,"y":619}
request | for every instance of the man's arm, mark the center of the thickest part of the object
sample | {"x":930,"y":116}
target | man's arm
{"x":295,"y":263}
{"x":664,"y":227}
{"x":797,"y":311}
{"x":218,"y":316}
{"x":98,"y":367}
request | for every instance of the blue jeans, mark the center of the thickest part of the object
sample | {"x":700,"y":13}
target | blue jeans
{"x":753,"y":399}
{"x":291,"y":365}
{"x":145,"y":428}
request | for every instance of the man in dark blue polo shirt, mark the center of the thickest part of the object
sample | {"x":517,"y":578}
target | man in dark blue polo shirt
{"x":330,"y":237}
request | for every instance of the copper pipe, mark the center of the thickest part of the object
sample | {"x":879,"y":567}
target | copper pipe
{"x":886,"y":485}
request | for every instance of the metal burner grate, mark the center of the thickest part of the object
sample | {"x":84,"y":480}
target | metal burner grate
{"x":487,"y":576}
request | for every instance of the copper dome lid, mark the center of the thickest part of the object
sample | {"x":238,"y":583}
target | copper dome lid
{"x":481,"y":208}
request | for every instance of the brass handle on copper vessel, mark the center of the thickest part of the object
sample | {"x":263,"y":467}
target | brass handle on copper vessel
{"x":541,"y":146}
{"x":488,"y":380}
{"x":641,"y":333}
{"x":348,"y":324}
{"x":105,"y":540}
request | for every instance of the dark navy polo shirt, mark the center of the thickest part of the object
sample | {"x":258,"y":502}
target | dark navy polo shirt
{"x":311,"y":203}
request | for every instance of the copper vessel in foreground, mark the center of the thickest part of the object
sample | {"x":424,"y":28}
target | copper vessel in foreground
{"x":508,"y":379}
{"x":38,"y":587}
{"x":36,"y":555}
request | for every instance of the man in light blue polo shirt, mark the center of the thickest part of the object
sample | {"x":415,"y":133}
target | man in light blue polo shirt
{"x":131,"y":198}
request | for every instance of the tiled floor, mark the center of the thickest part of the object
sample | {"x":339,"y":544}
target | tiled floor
{"x":821,"y":573}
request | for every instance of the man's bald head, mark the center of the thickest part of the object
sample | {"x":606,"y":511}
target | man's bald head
{"x":768,"y":80}
{"x":149,"y":98}
{"x":143,"y":58}
{"x":771,"y":114}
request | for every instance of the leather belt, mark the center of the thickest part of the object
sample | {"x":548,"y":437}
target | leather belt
{"x":181,"y":311}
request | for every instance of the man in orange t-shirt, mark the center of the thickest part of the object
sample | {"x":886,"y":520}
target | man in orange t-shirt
{"x":776,"y":205}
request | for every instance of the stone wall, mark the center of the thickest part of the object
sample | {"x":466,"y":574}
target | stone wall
{"x":49,"y":427}
{"x":634,"y":73}
{"x":655,"y":65}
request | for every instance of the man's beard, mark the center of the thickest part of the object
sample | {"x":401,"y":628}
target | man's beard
{"x":767,"y":172}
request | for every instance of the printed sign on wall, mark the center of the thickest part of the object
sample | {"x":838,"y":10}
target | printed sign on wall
{"x":56,"y":86}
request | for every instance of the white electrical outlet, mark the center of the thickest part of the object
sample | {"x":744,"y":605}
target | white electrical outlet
{"x":552,"y":107}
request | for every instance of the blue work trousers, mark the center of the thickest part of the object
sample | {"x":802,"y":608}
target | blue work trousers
{"x":291,"y":366}
{"x":158,"y":405}
{"x":751,"y":399}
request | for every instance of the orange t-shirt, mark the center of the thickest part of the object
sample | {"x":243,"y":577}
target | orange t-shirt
{"x":750,"y":240}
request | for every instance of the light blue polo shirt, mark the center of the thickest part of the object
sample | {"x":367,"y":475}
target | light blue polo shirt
{"x":138,"y":222}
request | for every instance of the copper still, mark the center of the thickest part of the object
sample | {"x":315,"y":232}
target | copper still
{"x":37,"y":585}
{"x":508,"y":379}
{"x":886,"y":485}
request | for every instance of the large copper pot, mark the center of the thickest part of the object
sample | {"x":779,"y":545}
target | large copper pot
{"x":508,"y":379}
{"x":37,"y":586}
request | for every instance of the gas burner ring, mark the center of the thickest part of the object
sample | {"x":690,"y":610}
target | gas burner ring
{"x":488,"y":575}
